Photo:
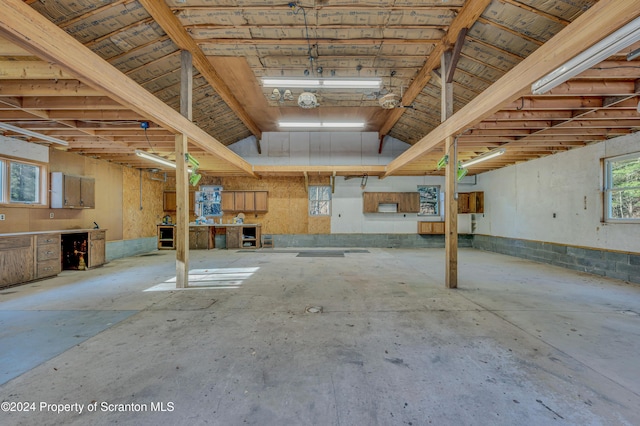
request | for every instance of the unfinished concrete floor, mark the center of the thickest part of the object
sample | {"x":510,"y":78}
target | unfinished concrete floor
{"x":518,"y":343}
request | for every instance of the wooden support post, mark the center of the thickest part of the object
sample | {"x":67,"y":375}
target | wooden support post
{"x":182,"y":214}
{"x":186,"y":84}
{"x":182,"y":174}
{"x":451,"y":172}
{"x":451,"y":217}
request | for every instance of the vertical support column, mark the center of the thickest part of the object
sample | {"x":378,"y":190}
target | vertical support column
{"x":182,"y":175}
{"x":186,"y":84}
{"x":182,"y":214}
{"x":451,"y":218}
{"x":451,"y":172}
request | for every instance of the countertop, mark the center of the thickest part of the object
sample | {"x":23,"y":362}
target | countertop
{"x":54,"y":231}
{"x":218,"y":225}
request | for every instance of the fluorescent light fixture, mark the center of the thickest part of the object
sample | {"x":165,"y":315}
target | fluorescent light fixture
{"x":33,"y":134}
{"x":155,"y":158}
{"x":624,"y":37}
{"x":484,"y":157}
{"x":633,"y":55}
{"x":316,"y":125}
{"x":327,"y":83}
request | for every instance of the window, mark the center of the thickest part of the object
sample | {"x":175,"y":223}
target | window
{"x":22,"y":182}
{"x":209,"y":201}
{"x":429,"y":200}
{"x":319,"y":201}
{"x":622,"y":188}
{"x":24,"y":185}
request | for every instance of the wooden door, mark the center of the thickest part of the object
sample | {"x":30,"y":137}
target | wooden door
{"x":72,"y":196}
{"x":97,"y":255}
{"x":87,"y":193}
{"x":261,"y":201}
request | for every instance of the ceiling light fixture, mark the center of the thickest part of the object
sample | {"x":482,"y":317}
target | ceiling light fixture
{"x":484,"y":157}
{"x":615,"y":42}
{"x":307,"y":100}
{"x":155,"y":158}
{"x":33,"y":134}
{"x":322,"y":83}
{"x":318,"y":124}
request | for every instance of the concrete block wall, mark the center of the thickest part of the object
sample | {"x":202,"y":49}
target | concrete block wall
{"x":126,"y":248}
{"x":366,"y":240}
{"x":613,"y":264}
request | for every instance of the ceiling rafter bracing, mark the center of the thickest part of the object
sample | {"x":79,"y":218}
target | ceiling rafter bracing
{"x":586,"y":30}
{"x":171,"y":25}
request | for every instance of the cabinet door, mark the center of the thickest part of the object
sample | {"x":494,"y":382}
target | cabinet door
{"x":409,"y":202}
{"x":233,"y":237}
{"x":16,"y":260}
{"x":87,"y":193}
{"x":476,"y":202}
{"x":169,"y":201}
{"x":369,"y":202}
{"x":239,"y":204}
{"x":249,"y":201}
{"x":463,"y":202}
{"x":261,"y":201}
{"x":72,"y":197}
{"x":97,"y":255}
{"x":228,"y":201}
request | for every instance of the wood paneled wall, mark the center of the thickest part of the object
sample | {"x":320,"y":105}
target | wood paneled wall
{"x":117,"y":208}
{"x":288,"y":203}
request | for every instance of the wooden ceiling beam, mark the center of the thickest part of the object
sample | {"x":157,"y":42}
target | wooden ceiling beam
{"x":32,"y":70}
{"x":318,"y":41}
{"x":22,"y":25}
{"x":469,"y":13}
{"x":71,"y":102}
{"x":43,"y":88}
{"x":601,"y":19}
{"x":172,"y":26}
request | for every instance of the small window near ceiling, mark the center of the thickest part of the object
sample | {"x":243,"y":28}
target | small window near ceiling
{"x":319,"y":201}
{"x":2,"y":181}
{"x":622,"y":188}
{"x":24,"y":183}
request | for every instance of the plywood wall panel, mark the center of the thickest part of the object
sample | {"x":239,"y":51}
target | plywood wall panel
{"x":140,"y":214}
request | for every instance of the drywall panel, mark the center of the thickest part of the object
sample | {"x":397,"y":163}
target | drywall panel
{"x":347,"y":216}
{"x":557,"y":199}
{"x":319,"y":148}
{"x":20,"y":149}
{"x":299,"y":148}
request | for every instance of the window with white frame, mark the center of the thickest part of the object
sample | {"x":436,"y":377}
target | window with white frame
{"x":21,"y":182}
{"x":622,"y":188}
{"x":319,"y":201}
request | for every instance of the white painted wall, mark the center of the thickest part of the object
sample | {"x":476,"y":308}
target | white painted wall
{"x":520,"y":200}
{"x":349,"y":148}
{"x":319,"y":149}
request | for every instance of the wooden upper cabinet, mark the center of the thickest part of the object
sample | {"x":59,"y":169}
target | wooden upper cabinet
{"x":170,"y":201}
{"x":261,"y":201}
{"x":471,"y":202}
{"x":72,"y":192}
{"x":244,"y":201}
{"x":228,"y":201}
{"x":407,"y":202}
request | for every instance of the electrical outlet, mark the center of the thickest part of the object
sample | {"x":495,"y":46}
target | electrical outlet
{"x":2,"y":216}
{"x":51,"y":215}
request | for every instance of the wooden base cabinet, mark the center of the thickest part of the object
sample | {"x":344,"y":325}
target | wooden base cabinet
{"x":97,"y":249}
{"x":48,"y":255}
{"x":16,"y":260}
{"x":244,"y":236}
{"x":431,"y":228}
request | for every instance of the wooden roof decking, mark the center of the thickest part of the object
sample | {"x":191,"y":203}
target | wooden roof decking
{"x":235,"y":42}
